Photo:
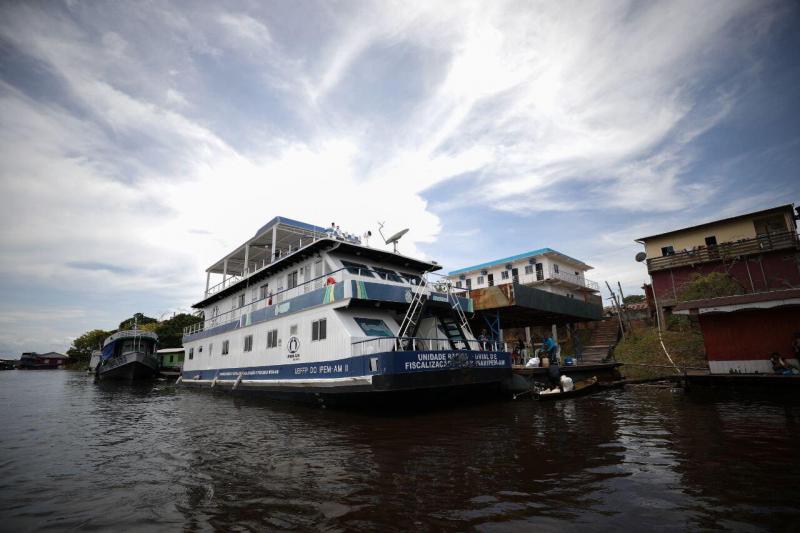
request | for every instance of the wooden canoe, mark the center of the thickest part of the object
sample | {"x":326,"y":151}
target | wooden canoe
{"x":586,"y":386}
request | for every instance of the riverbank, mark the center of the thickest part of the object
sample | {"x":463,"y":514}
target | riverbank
{"x":644,"y":358}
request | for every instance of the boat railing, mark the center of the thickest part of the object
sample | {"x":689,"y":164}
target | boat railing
{"x":260,"y":300}
{"x":233,"y":279}
{"x":373,"y":345}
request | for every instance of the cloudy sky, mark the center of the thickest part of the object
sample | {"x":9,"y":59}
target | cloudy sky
{"x":140,"y":141}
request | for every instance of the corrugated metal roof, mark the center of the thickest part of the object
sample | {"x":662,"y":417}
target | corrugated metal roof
{"x":289,"y":222}
{"x":739,"y":299}
{"x":786,"y":207}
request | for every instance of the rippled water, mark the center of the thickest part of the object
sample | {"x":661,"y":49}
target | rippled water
{"x":77,"y":455}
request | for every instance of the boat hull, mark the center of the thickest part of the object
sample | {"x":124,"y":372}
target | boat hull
{"x":405,"y":378}
{"x":128,"y":367}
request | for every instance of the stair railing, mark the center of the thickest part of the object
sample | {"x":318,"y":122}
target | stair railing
{"x":413,"y":312}
{"x":456,"y":305}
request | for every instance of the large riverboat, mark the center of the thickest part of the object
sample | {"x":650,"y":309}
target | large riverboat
{"x":128,"y":355}
{"x":305,"y":314}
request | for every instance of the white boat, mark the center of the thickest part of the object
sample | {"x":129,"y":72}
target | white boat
{"x":303,"y":314}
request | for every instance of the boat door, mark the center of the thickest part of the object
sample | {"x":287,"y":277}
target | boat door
{"x":490,"y":277}
{"x":515,"y":275}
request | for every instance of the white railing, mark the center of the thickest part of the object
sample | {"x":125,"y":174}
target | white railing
{"x":574,"y":279}
{"x":372,"y":345}
{"x":233,"y":279}
{"x":343,"y":274}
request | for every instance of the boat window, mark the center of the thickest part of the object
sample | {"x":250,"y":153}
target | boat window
{"x":411,"y":278}
{"x":319,"y":329}
{"x":388,"y":275}
{"x":272,"y":338}
{"x":357,"y":268}
{"x":529,"y":269}
{"x":210,"y":348}
{"x":504,"y":274}
{"x":373,"y":327}
{"x":291,"y":280}
{"x":224,"y":347}
{"x":458,"y":284}
{"x":480,"y":280}
{"x":293,"y":329}
{"x":263,"y":291}
{"x":191,"y":353}
{"x":200,"y":349}
{"x":248,"y":343}
{"x":241,"y":300}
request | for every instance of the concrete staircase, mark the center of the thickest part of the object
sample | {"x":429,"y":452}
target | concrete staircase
{"x":604,"y":337}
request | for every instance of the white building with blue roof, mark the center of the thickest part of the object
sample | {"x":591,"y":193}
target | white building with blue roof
{"x":545,"y":269}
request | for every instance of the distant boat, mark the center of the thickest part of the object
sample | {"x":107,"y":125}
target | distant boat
{"x":129,"y":355}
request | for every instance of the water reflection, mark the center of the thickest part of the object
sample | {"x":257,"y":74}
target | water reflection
{"x":83,"y":455}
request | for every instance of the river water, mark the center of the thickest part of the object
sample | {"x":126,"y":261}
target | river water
{"x":78,"y":455}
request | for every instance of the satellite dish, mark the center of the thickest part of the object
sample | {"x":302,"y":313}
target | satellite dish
{"x":641,"y":256}
{"x":396,"y":237}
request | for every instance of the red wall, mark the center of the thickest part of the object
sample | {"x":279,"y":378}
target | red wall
{"x":780,"y":270}
{"x":750,"y":334}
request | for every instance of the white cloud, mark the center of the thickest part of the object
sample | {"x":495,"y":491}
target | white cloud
{"x":135,"y":148}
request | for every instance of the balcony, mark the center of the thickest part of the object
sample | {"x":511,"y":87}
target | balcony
{"x":726,"y":251}
{"x":578,"y":281}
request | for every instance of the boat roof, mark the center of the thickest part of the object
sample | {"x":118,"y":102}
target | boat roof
{"x":533,"y":253}
{"x":322,"y":245}
{"x":288,"y":233}
{"x":128,"y":333}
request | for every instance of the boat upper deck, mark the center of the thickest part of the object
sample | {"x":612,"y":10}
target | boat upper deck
{"x":283,"y":242}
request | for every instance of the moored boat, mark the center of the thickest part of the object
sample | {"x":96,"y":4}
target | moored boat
{"x":128,"y":355}
{"x":580,"y":388}
{"x":305,"y":315}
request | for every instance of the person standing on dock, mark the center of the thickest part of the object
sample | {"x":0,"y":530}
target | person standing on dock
{"x":550,"y":348}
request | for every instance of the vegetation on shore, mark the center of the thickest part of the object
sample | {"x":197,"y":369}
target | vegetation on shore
{"x":642,"y":347}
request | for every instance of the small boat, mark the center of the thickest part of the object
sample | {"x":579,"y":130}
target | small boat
{"x":586,"y":386}
{"x":129,"y":355}
{"x":94,"y":361}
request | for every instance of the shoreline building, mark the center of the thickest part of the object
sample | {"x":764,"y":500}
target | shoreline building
{"x":42,"y":361}
{"x":545,"y":269}
{"x":542,"y":288}
{"x":758,"y":254}
{"x":758,"y":250}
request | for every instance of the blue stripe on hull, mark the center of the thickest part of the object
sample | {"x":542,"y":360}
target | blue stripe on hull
{"x":384,"y":363}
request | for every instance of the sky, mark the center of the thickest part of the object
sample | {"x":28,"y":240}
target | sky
{"x":142,"y":141}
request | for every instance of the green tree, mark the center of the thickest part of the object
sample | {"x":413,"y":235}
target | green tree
{"x":139,"y":318}
{"x":82,"y":347}
{"x":711,"y":285}
{"x":633,"y":299}
{"x":170,"y":332}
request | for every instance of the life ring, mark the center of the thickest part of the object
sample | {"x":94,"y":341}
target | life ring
{"x":330,"y":281}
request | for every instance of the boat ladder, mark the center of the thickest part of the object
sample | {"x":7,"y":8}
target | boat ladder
{"x":413,"y":313}
{"x":456,"y":304}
